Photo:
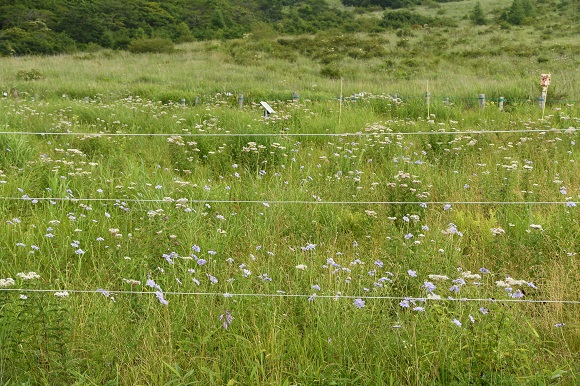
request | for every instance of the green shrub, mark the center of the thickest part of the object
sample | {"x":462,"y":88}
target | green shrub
{"x":29,"y":75}
{"x":331,"y":71}
{"x":153,"y":45}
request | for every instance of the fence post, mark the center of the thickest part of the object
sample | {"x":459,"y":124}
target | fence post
{"x":295,"y":97}
{"x":542,"y":99}
{"x":501,"y":99}
{"x":428,"y":100}
{"x":196,"y":100}
{"x":482,"y":101}
{"x":446,"y":101}
{"x":183,"y":101}
{"x":241,"y":101}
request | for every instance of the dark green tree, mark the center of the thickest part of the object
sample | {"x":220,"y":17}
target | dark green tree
{"x":516,"y":13}
{"x":477,"y":15}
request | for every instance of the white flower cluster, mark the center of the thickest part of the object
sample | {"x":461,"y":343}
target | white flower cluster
{"x":510,"y":282}
{"x":6,"y":282}
{"x":28,"y":275}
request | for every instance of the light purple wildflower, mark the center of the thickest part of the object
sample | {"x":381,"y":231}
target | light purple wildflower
{"x":359,"y":303}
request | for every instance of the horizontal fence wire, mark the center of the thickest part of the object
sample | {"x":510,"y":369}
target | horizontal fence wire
{"x":249,"y":98}
{"x":286,"y":295}
{"x":570,"y":130}
{"x":281,"y":202}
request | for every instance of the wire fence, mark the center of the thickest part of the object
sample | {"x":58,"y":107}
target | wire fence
{"x":251,"y":98}
{"x":169,"y":200}
{"x":281,"y":294}
{"x":354,"y":98}
{"x":570,"y":130}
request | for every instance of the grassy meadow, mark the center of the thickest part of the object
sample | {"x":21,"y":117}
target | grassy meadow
{"x":368,"y":240}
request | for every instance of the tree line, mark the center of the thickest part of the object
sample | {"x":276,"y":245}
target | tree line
{"x":55,"y":26}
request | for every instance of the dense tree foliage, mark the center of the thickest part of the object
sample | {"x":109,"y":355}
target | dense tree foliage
{"x":394,"y":4}
{"x":51,"y":26}
{"x":54,"y":26}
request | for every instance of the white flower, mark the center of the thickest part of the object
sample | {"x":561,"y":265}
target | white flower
{"x":468,"y":275}
{"x":497,"y":231}
{"x":438,"y":277}
{"x":28,"y":276}
{"x":536,"y":226}
{"x":301,"y":267}
{"x":6,"y":282}
{"x":61,"y":294}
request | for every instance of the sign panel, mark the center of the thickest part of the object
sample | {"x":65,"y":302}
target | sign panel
{"x":268,"y":108}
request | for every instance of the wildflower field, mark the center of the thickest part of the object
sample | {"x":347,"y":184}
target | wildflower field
{"x":149,"y":238}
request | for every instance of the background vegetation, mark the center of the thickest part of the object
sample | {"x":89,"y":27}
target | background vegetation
{"x":50,"y":27}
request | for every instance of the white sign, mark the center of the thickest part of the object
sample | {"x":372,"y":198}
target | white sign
{"x":268,"y":108}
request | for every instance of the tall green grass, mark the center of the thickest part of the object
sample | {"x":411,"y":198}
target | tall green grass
{"x":285,"y":217}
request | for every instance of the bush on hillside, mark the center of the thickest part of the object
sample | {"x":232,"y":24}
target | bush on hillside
{"x":153,"y":45}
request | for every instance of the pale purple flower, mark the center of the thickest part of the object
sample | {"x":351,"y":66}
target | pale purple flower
{"x":517,"y":295}
{"x":408,"y":236}
{"x":359,"y":303}
{"x":195,"y":248}
{"x":430,"y":287}
{"x":419,"y":309}
{"x":104,"y":292}
{"x":484,"y":310}
{"x":227,"y":319}
{"x":151,"y":283}
{"x":447,"y":207}
{"x":265,"y":277}
{"x":404,"y":303}
{"x":160,"y":297}
{"x":412,"y":273}
{"x":316,"y":287}
{"x":212,"y":279}
{"x":457,"y":322}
